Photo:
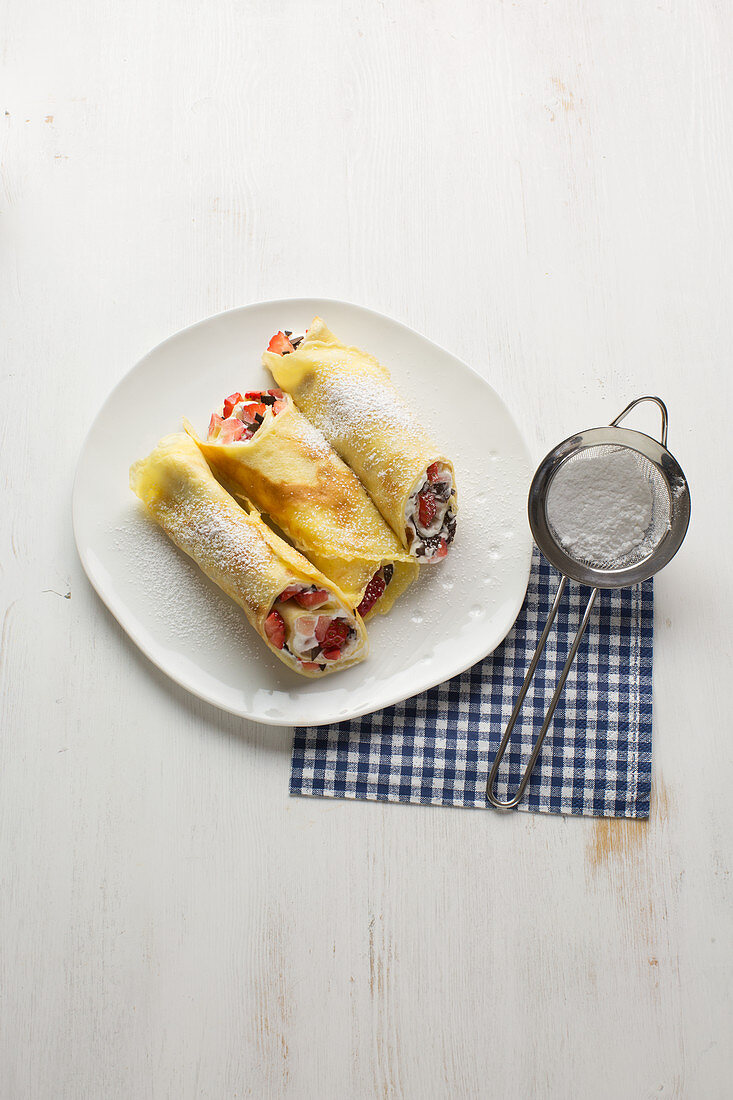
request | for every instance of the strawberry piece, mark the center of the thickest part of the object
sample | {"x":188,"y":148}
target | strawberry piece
{"x":336,"y":634}
{"x":275,"y":629}
{"x":441,"y":551}
{"x":231,"y":430}
{"x":249,"y":412}
{"x":427,"y":509}
{"x":229,"y":403}
{"x":280,"y":344}
{"x":310,"y":664}
{"x":333,"y":638}
{"x":433,"y":472}
{"x":305,"y":624}
{"x":276,"y":393}
{"x":253,"y":395}
{"x":373,"y":591}
{"x":288,"y":593}
{"x":214,"y":425}
{"x":321,"y":627}
{"x":278,"y":407}
{"x":312,"y":600}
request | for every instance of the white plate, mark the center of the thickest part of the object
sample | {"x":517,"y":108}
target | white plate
{"x":451,"y":617}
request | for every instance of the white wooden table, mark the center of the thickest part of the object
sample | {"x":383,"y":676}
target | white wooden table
{"x":544,"y":188}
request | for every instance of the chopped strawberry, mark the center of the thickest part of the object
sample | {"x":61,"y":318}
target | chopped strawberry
{"x":336,"y":634}
{"x":231,"y":430}
{"x":278,"y":407}
{"x":312,"y":665}
{"x":372,"y":593}
{"x":215,"y":424}
{"x":288,"y":593}
{"x":249,"y":412}
{"x":229,"y":403}
{"x":276,"y":393}
{"x":427,"y":509}
{"x":253,"y":395}
{"x":441,"y":551}
{"x":433,"y":472}
{"x":331,"y":633}
{"x":305,"y":624}
{"x":280,"y":344}
{"x":275,"y":629}
{"x":312,"y":600}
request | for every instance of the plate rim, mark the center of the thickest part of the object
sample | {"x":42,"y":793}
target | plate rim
{"x":109,"y":601}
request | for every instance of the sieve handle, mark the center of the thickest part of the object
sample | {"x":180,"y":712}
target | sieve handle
{"x":657,"y":401}
{"x":512,"y":802}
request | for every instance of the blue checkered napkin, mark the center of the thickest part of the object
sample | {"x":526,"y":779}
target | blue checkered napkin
{"x":437,"y":748}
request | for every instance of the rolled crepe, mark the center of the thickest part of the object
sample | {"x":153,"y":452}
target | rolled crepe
{"x":285,"y":467}
{"x":351,"y":399}
{"x":302,"y":617}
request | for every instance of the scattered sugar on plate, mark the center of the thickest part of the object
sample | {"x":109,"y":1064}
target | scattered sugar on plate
{"x":600,"y":506}
{"x":185,"y":602}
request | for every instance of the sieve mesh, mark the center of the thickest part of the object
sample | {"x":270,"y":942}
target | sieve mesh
{"x":608,"y":506}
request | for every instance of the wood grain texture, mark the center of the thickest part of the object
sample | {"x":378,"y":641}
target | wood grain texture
{"x":545,"y":189}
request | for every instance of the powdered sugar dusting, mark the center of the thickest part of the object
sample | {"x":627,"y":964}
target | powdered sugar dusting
{"x":314,"y":442}
{"x":601,"y":507}
{"x":185,"y":604}
{"x":353,"y":403}
{"x":222,"y":537}
{"x":356,"y":413}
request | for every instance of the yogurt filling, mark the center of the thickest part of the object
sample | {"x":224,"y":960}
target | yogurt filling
{"x":430,"y":514}
{"x":308,"y":626}
{"x":241,"y":417}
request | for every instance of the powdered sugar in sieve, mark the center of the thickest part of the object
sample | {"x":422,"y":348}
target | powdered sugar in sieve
{"x":608,"y":506}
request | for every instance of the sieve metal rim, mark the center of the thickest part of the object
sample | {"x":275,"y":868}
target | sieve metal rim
{"x":674,"y":479}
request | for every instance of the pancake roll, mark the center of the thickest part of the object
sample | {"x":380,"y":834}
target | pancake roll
{"x":351,"y":398}
{"x":301,"y":616}
{"x":265,"y":452}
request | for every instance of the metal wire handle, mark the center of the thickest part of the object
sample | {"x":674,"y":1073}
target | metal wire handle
{"x":537,"y":747}
{"x":632,"y":405}
{"x":512,"y":802}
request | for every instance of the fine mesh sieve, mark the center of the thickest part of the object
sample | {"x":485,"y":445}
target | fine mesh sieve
{"x":625,"y":486}
{"x":608,"y":507}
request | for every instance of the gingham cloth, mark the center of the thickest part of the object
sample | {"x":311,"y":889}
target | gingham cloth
{"x":437,"y":748}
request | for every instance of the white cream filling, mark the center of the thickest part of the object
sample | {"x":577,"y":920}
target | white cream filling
{"x":301,"y":630}
{"x":241,"y":404}
{"x":236,"y":410}
{"x":412,"y":514}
